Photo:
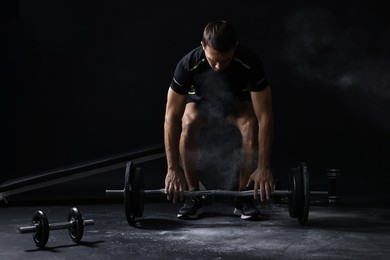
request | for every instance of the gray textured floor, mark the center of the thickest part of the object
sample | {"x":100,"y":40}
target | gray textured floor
{"x":332,"y":233}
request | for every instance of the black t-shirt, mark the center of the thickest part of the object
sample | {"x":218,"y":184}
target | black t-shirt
{"x":194,"y":76}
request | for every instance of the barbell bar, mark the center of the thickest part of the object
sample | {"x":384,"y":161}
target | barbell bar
{"x":215,"y":192}
{"x":298,"y":193}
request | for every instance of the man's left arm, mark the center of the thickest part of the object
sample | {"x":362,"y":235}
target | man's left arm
{"x":262,"y":176}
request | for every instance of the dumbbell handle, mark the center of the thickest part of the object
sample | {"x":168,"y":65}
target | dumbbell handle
{"x":216,"y":192}
{"x":54,"y":226}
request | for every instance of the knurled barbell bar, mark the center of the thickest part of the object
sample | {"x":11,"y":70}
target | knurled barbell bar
{"x":298,"y":193}
{"x":41,"y":227}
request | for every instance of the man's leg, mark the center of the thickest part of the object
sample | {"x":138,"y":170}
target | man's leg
{"x":245,"y":120}
{"x":192,"y":123}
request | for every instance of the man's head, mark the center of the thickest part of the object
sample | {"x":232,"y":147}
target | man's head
{"x":219,"y":42}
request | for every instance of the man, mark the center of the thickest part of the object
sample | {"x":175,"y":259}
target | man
{"x":219,"y":77}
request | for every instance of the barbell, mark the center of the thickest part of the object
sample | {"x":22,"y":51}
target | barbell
{"x":298,"y":193}
{"x":41,"y":227}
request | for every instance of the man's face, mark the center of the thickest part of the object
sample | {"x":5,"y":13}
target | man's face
{"x":218,"y":61}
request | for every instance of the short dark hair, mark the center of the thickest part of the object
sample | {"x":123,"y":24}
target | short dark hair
{"x":219,"y":35}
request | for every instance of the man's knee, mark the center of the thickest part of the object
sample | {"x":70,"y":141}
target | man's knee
{"x":191,"y":126}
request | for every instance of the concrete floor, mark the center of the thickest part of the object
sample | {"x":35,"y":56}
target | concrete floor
{"x":342,"y":232}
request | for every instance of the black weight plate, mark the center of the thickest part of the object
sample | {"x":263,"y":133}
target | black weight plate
{"x":296,"y":198}
{"x":303,"y":218}
{"x":41,"y":235}
{"x":76,"y":231}
{"x":138,"y":181}
{"x":133,"y":193}
{"x":129,"y":207}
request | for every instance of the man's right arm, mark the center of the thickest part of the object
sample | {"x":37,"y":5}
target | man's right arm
{"x":174,"y":181}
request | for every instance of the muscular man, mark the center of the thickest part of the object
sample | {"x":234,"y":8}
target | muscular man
{"x":225,"y":78}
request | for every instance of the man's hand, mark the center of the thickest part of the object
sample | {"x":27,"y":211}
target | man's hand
{"x":262,"y":178}
{"x":175,"y":185}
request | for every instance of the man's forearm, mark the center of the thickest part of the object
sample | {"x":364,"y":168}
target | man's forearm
{"x":171,"y":141}
{"x":265,"y":139}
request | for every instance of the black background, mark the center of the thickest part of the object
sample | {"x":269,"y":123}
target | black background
{"x":87,"y":79}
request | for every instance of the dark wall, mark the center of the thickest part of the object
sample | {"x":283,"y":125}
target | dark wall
{"x":88,"y":79}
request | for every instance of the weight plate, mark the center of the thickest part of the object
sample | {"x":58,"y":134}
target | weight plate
{"x":41,"y":235}
{"x":129,"y":207}
{"x":133,"y":193}
{"x":304,"y":216}
{"x":296,"y":198}
{"x":139,"y":182}
{"x":76,"y":230}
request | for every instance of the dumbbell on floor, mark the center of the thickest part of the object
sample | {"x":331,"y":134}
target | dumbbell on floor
{"x":298,"y":193}
{"x":41,"y":227}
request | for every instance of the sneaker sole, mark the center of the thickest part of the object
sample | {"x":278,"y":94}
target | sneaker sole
{"x":238,"y":212}
{"x":192,"y":216}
